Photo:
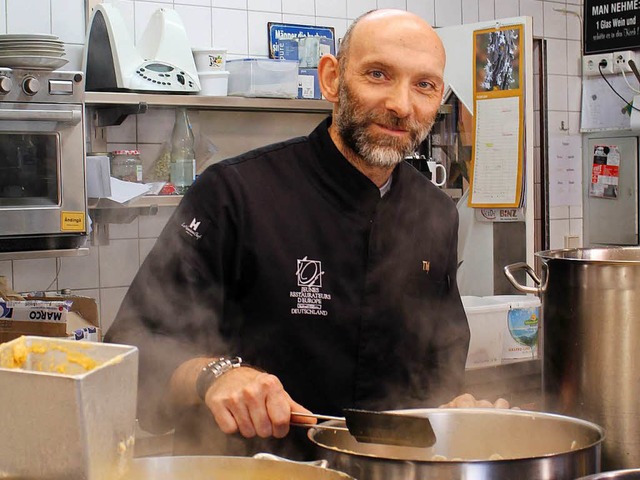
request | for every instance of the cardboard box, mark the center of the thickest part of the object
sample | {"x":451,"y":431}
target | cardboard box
{"x":48,"y":316}
{"x":308,"y":86}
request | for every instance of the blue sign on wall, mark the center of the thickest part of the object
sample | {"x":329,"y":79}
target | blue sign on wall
{"x":282,"y":35}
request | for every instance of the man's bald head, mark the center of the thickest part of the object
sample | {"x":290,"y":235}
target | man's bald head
{"x":366,"y":26}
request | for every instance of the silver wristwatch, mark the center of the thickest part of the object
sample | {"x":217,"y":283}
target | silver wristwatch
{"x":213,"y":370}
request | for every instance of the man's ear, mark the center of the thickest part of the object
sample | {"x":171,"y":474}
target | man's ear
{"x":328,"y":77}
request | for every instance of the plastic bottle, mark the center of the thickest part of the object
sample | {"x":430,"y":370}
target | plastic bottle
{"x":183,"y":158}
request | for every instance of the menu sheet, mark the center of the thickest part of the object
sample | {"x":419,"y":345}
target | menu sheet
{"x":565,"y":170}
{"x":495,"y":174}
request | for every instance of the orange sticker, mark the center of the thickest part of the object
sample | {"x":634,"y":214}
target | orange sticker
{"x":72,"y":221}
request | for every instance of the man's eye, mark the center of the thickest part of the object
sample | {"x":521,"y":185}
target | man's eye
{"x":425,"y":85}
{"x":377,"y":74}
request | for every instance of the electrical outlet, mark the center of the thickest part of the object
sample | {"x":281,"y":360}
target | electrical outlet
{"x":621,"y":61}
{"x":590,"y":64}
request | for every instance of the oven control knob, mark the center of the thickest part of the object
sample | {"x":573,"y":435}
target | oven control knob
{"x":5,"y":85}
{"x":30,"y":85}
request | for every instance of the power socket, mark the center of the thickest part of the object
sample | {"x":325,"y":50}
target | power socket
{"x":621,"y":61}
{"x":590,"y":64}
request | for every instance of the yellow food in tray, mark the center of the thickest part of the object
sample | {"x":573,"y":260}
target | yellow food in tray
{"x":47,"y":357}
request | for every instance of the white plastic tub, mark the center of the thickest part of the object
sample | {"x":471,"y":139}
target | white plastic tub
{"x":214,"y":84}
{"x":209,"y":59}
{"x":487,"y":324}
{"x":253,"y":77}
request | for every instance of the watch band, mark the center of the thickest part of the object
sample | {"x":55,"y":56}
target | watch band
{"x":212,"y":371}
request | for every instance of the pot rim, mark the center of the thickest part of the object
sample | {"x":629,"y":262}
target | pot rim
{"x":488,"y":411}
{"x":583,"y":255}
{"x":180,"y":460}
{"x":610,"y":474}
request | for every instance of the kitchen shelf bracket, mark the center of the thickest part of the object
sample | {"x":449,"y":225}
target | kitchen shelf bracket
{"x":107,"y":116}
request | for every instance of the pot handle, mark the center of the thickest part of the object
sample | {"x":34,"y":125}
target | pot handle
{"x":514,"y":267}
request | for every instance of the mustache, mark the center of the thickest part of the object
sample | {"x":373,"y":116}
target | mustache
{"x":390,"y":120}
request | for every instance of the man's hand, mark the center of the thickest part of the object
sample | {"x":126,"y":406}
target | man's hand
{"x":253,"y":403}
{"x":466,"y":400}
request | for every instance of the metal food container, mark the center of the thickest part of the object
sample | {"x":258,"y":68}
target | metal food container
{"x":68,"y":409}
{"x":590,"y":330}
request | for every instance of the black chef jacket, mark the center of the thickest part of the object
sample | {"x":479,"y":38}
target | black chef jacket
{"x":288,"y":257}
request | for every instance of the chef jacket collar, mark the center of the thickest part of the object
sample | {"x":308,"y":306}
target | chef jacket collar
{"x":353,"y":188}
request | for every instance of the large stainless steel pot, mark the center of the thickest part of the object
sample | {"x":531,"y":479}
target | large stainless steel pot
{"x":533,"y":445}
{"x":590,"y":329}
{"x":226,"y":468}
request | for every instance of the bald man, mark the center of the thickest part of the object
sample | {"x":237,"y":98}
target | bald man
{"x":311,"y":275}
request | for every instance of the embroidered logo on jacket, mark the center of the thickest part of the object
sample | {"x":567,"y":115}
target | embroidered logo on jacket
{"x":310,"y":297}
{"x":192,"y":229}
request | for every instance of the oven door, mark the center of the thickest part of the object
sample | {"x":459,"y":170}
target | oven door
{"x":42,"y":177}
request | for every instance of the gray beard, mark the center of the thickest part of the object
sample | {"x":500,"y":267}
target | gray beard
{"x":385,"y":152}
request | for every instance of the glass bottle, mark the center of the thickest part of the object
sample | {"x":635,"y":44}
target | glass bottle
{"x":183,"y":158}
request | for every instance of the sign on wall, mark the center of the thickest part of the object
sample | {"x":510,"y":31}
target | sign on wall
{"x":611,"y":26}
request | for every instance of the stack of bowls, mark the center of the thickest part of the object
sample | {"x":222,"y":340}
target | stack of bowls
{"x":210,"y":63}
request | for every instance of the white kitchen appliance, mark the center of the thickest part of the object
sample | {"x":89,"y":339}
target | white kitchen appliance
{"x":161,"y":62}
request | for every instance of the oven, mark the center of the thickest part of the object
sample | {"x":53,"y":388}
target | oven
{"x":43,"y":202}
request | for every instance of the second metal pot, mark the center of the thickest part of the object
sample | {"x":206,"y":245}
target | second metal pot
{"x":475,"y":444}
{"x":590,"y":329}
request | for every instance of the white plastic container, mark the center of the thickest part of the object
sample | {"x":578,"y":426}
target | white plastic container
{"x":214,"y":84}
{"x":209,"y":59}
{"x":254,"y":77}
{"x":520,"y":339}
{"x":486,"y":321}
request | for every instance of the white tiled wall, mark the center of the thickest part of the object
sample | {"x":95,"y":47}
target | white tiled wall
{"x":240,"y":26}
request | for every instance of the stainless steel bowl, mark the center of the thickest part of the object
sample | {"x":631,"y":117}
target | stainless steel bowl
{"x":478,"y":444}
{"x":226,"y":468}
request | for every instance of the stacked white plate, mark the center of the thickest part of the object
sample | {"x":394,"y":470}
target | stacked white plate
{"x":32,"y":50}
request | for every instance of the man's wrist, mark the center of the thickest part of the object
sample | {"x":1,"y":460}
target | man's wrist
{"x":214,"y":370}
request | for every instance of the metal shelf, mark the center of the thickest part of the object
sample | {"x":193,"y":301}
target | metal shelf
{"x":144,"y":201}
{"x":208,"y":102}
{"x":113,"y":107}
{"x":104,"y":211}
{"x":71,"y":252}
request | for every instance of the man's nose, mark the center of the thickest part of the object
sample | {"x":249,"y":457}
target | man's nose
{"x":399,"y":100}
